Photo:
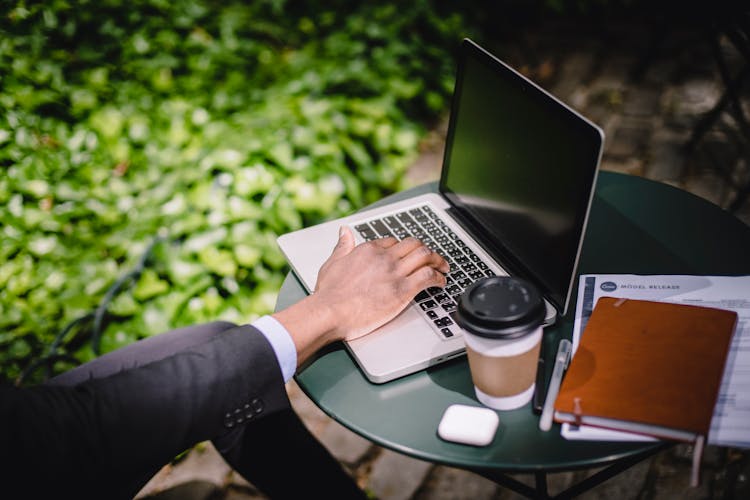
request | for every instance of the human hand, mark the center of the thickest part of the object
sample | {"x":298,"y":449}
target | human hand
{"x":368,"y":285}
{"x":360,"y":288}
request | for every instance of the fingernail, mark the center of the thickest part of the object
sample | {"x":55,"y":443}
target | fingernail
{"x":341,"y":231}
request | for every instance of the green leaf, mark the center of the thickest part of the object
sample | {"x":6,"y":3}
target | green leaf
{"x":149,"y":285}
{"x":218,"y":261}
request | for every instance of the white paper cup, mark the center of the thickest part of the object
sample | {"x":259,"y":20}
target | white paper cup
{"x":502,"y":319}
{"x":504,"y":371}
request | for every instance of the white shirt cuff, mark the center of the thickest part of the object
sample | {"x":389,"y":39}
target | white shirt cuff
{"x":281,"y":342}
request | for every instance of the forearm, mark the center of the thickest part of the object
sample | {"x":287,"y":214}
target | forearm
{"x":311,"y":324}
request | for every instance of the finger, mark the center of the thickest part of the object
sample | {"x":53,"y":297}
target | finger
{"x":406,"y":246}
{"x":345,"y":243}
{"x":422,"y":256}
{"x":386,"y":242}
{"x":424,"y":277}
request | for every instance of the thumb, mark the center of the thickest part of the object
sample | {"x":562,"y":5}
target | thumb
{"x":345,"y":243}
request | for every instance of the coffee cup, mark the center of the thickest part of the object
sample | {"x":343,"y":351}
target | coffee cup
{"x":502,"y":318}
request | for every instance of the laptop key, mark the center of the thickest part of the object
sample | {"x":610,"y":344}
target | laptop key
{"x":404,"y":218}
{"x":445,"y":321}
{"x":365,"y":231}
{"x":449,"y":307}
{"x":469,"y":267}
{"x":476,"y":275}
{"x":391,"y":222}
{"x":380,"y":228}
{"x":428,"y":304}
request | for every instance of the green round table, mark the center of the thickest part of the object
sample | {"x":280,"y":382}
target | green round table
{"x":636,"y":226}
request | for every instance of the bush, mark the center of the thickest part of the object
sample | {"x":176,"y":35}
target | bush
{"x":154,"y":150}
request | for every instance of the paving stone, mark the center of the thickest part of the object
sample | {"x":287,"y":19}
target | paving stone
{"x":233,"y":493}
{"x":708,"y":185}
{"x":627,"y":484}
{"x":236,"y":482}
{"x":660,"y":72}
{"x":345,"y":445}
{"x":673,"y":481}
{"x":738,"y":474}
{"x":617,"y":67}
{"x":698,"y":95}
{"x":397,"y":477}
{"x":605,"y":96}
{"x":558,"y":482}
{"x":508,"y":494}
{"x":574,"y":71}
{"x":448,"y":483}
{"x":643,"y":102}
{"x":688,"y":102}
{"x":629,"y":139}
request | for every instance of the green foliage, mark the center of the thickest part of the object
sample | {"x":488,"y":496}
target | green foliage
{"x":215,"y":124}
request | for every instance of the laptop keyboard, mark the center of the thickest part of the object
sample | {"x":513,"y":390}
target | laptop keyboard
{"x":438,"y":305}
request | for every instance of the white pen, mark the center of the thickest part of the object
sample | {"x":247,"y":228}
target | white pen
{"x":562,"y":358}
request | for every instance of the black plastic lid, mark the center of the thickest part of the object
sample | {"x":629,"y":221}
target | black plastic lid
{"x":500,"y":307}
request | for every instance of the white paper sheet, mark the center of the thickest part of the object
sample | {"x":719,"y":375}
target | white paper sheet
{"x":730,"y":425}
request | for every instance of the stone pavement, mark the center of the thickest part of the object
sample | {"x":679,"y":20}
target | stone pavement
{"x":648,"y":110}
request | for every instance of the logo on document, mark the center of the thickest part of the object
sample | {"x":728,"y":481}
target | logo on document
{"x":608,"y":286}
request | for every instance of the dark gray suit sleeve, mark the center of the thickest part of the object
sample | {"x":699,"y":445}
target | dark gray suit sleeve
{"x":112,"y":432}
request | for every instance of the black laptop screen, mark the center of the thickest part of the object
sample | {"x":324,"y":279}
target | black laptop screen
{"x":521,"y":165}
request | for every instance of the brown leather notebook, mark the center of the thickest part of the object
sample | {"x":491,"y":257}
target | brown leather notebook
{"x":652,"y":368}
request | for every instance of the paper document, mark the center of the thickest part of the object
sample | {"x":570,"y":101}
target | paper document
{"x":730,"y":425}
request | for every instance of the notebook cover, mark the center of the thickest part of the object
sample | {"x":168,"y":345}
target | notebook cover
{"x":652,"y":363}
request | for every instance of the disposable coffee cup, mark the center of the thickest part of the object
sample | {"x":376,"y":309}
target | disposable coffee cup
{"x":502,"y":318}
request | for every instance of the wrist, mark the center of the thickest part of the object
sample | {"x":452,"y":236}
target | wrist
{"x":311,"y":323}
{"x":320,"y":318}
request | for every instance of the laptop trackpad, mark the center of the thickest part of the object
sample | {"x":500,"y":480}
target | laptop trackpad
{"x":398,"y":347}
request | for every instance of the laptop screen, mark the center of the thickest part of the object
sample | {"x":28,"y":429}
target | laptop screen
{"x":520,"y":165}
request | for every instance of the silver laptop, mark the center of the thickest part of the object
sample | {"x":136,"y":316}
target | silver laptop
{"x":514,"y":195}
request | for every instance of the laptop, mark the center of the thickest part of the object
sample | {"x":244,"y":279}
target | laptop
{"x":515,"y":191}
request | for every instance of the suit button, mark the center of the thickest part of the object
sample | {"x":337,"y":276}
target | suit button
{"x":257,"y":405}
{"x":228,"y":422}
